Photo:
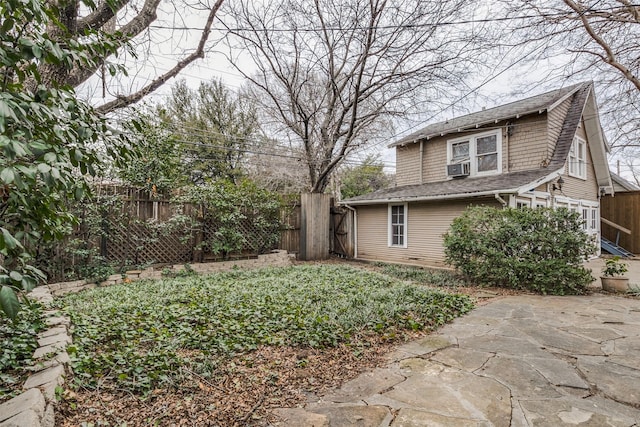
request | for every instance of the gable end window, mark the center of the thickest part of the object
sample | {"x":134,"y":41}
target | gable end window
{"x":482,"y":151}
{"x":398,"y":226}
{"x":578,"y":158}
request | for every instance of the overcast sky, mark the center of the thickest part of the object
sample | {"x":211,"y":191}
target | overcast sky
{"x":174,"y":36}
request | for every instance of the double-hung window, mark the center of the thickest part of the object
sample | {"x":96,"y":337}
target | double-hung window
{"x":398,"y":225}
{"x":481,"y":151}
{"x":578,"y":158}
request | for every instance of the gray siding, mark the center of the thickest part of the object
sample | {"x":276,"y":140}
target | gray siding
{"x":526,"y":148}
{"x":528,"y":143}
{"x":408,"y":164}
{"x":577,"y":188}
{"x":426,"y":223}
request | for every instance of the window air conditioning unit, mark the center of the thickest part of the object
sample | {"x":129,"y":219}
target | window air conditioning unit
{"x":458,"y":170}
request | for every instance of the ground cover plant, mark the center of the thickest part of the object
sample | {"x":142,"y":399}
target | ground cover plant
{"x":184,"y":347}
{"x":17,"y":344}
{"x":426,"y":276}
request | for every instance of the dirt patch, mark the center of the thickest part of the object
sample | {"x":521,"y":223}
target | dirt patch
{"x":243,"y":392}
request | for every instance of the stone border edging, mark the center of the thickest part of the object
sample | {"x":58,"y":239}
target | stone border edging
{"x":277,"y":258}
{"x":35,"y":406}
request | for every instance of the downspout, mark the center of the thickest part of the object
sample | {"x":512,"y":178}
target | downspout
{"x":421,"y":161}
{"x":355,"y":230}
{"x":501,"y":200}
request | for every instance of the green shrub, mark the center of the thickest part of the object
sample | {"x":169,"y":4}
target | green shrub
{"x":541,"y":250}
{"x":243,"y":216}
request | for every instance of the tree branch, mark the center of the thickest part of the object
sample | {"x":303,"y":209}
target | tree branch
{"x":610,"y":55}
{"x":105,"y":11}
{"x":123,"y":101}
{"x":131,"y":29}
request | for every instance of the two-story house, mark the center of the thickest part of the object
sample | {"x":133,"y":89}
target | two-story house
{"x":547,"y":150}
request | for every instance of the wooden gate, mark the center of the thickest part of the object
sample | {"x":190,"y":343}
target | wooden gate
{"x":342,"y":241}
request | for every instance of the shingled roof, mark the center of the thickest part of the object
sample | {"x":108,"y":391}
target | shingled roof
{"x":507,"y":183}
{"x":458,"y":188}
{"x":534,"y":104}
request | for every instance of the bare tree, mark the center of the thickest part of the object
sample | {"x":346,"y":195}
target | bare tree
{"x":330,"y":73}
{"x":100,"y":21}
{"x":590,"y":40}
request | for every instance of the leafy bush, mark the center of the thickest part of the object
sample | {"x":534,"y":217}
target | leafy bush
{"x":110,"y":217}
{"x":146,"y":333}
{"x":48,"y":138}
{"x":228,"y":208}
{"x":17,"y":344}
{"x":614,"y":267}
{"x":536,"y":249}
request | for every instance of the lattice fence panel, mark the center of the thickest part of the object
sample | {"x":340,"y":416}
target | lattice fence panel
{"x":142,"y":243}
{"x":256,"y":236}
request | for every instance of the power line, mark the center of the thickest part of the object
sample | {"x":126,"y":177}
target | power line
{"x":402,"y":26}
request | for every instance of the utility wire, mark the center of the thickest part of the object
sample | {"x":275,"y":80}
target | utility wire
{"x":403,"y":26}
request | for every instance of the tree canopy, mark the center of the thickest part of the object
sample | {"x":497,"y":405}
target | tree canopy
{"x":364,"y":178}
{"x":123,"y":24}
{"x":215,"y":126}
{"x":589,"y":41}
{"x":48,"y":140}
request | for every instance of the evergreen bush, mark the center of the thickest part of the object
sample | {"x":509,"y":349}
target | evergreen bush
{"x":541,"y":250}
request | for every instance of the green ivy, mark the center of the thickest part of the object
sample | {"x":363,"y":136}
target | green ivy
{"x":139,"y":335}
{"x":535,"y":249}
{"x":17,"y":344}
{"x":422,"y":275}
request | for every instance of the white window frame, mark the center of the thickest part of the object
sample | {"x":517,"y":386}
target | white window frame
{"x":473,"y":155}
{"x":523,"y":203}
{"x":586,"y":220}
{"x":391,"y":224}
{"x":578,"y":158}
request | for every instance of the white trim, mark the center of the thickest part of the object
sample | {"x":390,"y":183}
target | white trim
{"x":400,"y":200}
{"x":578,"y":164}
{"x":404,"y":225}
{"x":564,"y":98}
{"x":473,"y":151}
{"x":545,"y":179}
{"x":534,"y":199}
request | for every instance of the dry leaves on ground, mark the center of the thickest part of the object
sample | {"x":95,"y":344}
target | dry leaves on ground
{"x":243,"y":394}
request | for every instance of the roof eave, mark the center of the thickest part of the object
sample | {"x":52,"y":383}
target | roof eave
{"x":543,"y":180}
{"x":427,"y":198}
{"x":565,"y":97}
{"x":597,"y":142}
{"x":477,"y":125}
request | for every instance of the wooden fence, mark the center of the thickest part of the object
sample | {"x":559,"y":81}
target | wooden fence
{"x":622,"y":209}
{"x":136,"y":229}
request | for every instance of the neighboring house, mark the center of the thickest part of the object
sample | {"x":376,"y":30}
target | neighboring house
{"x":547,"y":150}
{"x":620,"y":185}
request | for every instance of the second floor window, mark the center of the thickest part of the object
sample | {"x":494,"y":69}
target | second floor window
{"x":578,"y":158}
{"x":482,"y":151}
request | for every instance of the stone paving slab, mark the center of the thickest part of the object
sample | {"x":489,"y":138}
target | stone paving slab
{"x":27,"y":418}
{"x":32,"y":399}
{"x":518,"y":361}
